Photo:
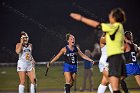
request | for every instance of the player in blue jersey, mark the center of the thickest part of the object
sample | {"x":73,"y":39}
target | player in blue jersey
{"x":132,"y":67}
{"x":70,"y":52}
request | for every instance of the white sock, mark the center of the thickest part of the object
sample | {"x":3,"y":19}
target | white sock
{"x":110,"y":88}
{"x":21,"y":89}
{"x":101,"y":89}
{"x":32,"y":88}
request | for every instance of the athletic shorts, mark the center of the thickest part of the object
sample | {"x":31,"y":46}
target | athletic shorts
{"x":117,"y":65}
{"x":132,"y":69}
{"x":24,"y":66}
{"x":70,"y":68}
{"x":103,"y":64}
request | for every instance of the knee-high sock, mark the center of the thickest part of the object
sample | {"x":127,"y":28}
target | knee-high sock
{"x":124,"y":86}
{"x":21,"y":89}
{"x":118,"y":91}
{"x":101,"y":88}
{"x":110,"y":88}
{"x":32,"y":88}
{"x":67,"y":88}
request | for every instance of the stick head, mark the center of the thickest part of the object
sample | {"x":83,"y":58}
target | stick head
{"x":46,"y":71}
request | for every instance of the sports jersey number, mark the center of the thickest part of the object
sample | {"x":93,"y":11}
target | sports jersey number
{"x":73,"y":59}
{"x":27,"y":56}
{"x":133,"y":56}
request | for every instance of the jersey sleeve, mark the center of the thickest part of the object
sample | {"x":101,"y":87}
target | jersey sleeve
{"x":109,"y":28}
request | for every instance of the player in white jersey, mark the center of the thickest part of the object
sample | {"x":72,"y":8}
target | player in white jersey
{"x":25,"y":65}
{"x":103,"y":67}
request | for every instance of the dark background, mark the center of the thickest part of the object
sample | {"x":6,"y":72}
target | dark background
{"x":47,"y":22}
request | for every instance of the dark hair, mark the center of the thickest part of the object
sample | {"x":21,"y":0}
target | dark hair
{"x":104,"y":33}
{"x":129,"y":35}
{"x":119,"y":15}
{"x":67,"y":36}
{"x":23,"y":33}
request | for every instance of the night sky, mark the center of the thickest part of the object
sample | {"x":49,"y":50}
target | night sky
{"x":47,"y":22}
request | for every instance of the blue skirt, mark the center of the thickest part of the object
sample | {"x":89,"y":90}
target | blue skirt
{"x":132,"y":69}
{"x":70,"y":68}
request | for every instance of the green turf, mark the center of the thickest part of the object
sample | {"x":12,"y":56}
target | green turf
{"x":55,"y":79}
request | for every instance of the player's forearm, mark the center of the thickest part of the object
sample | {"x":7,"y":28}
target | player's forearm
{"x":86,"y":57}
{"x":54,"y":59}
{"x":89,"y":22}
{"x":18,"y":50}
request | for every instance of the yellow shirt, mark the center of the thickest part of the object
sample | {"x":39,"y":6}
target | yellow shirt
{"x":114,"y":46}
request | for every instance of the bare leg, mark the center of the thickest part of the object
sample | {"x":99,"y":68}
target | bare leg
{"x":102,"y":87}
{"x":31,"y":75}
{"x":68,"y":80}
{"x":73,"y":78}
{"x":114,"y":83}
{"x":22,"y":76}
{"x":137,"y":77}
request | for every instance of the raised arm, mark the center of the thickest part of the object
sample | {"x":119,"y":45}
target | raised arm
{"x":84,"y":56}
{"x":85,"y":20}
{"x":19,"y":46}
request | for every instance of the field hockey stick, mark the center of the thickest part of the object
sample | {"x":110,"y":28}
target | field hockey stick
{"x":47,"y":70}
{"x":49,"y":66}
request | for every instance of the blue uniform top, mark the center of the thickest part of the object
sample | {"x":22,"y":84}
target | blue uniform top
{"x":87,"y":64}
{"x":133,"y":68}
{"x":71,"y":55}
{"x":131,"y":55}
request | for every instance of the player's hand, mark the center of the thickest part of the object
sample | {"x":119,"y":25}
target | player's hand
{"x":48,"y":65}
{"x":76,"y":16}
{"x":92,"y":62}
{"x":33,"y":62}
{"x":21,"y":40}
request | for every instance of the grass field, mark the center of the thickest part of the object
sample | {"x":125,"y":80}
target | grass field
{"x":54,"y":81}
{"x":132,"y":91}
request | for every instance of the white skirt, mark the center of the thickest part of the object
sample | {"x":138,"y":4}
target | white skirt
{"x":103,"y":64}
{"x":24,"y":65}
